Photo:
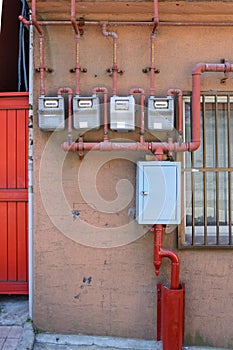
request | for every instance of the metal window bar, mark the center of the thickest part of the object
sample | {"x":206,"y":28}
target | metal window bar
{"x":215,"y":229}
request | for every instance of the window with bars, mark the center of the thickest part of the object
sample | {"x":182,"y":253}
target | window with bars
{"x":208,"y":175}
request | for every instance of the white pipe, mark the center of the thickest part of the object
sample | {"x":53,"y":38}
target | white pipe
{"x":30,"y":178}
{"x":1,"y":4}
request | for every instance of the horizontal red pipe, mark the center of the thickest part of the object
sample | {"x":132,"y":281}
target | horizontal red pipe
{"x":141,"y":23}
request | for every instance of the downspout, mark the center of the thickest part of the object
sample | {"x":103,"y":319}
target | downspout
{"x":114,"y":69}
{"x":30,"y":180}
{"x":105,"y":91}
{"x":142,"y":124}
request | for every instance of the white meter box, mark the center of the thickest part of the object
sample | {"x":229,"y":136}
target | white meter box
{"x":86,"y":112}
{"x":51,"y":113}
{"x":158,"y":192}
{"x":122,"y":113}
{"x":161,"y":113}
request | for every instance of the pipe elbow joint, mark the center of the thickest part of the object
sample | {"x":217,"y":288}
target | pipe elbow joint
{"x":194,"y":145}
{"x":199,"y":68}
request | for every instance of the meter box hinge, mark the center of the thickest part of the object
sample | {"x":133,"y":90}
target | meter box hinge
{"x":122,"y":113}
{"x":86,"y":112}
{"x":158,"y":192}
{"x":51,"y":113}
{"x":161,"y":113}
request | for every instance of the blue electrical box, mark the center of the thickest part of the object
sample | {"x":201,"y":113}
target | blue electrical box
{"x":158,"y":192}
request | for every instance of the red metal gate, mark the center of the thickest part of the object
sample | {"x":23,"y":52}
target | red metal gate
{"x":13,"y":193}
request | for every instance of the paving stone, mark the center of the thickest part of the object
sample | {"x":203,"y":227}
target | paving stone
{"x":15,"y":332}
{"x":4,"y":331}
{"x":10,"y":344}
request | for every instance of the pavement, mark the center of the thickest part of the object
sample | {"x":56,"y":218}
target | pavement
{"x":17,"y":333}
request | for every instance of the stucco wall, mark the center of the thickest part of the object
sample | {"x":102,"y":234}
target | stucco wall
{"x":79,"y":287}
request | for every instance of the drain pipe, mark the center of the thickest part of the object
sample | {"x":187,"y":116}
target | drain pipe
{"x":70,"y":95}
{"x":114,"y":69}
{"x":30,"y":180}
{"x":105,"y":91}
{"x":142,"y":126}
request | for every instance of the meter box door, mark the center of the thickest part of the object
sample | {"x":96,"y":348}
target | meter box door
{"x":51,"y":113}
{"x":122,"y":113}
{"x":161,"y":113}
{"x":158,"y":192}
{"x":86,"y":112}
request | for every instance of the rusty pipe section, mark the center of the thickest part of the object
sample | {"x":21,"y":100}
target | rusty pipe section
{"x":41,"y":44}
{"x":142,"y":119}
{"x":69,"y":91}
{"x":77,"y":42}
{"x":160,"y":253}
{"x":180,"y":107}
{"x":105,"y":91}
{"x":114,"y":67}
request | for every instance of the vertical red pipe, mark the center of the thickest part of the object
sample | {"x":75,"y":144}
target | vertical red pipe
{"x":160,"y":253}
{"x":142,"y":125}
{"x":41,"y":44}
{"x":70,"y":95}
{"x":114,"y":68}
{"x":156,"y":16}
{"x":180,"y":107}
{"x":105,"y":91}
{"x":77,"y":40}
{"x":152,"y":66}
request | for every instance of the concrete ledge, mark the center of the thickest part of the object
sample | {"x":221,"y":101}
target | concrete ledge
{"x":102,"y":342}
{"x":28,"y":337}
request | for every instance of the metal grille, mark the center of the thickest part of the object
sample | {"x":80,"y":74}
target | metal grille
{"x":208,"y":175}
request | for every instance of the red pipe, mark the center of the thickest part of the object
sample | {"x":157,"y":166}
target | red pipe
{"x":180,"y":107}
{"x":114,"y":68}
{"x":156,"y":16}
{"x":70,"y":95}
{"x":77,"y":40}
{"x":152,"y":65}
{"x":197,"y":70}
{"x":105,"y":91}
{"x":142,"y":126}
{"x":160,"y":253}
{"x":41,"y":44}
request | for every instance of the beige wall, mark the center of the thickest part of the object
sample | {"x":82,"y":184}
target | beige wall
{"x":112,"y":291}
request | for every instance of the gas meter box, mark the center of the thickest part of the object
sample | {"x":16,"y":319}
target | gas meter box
{"x":122,"y":113}
{"x":161,"y":113}
{"x":51,"y":113}
{"x":158,"y":192}
{"x":86,"y":112}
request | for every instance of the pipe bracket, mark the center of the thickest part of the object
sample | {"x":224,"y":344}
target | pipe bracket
{"x":46,"y":69}
{"x":148,"y":69}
